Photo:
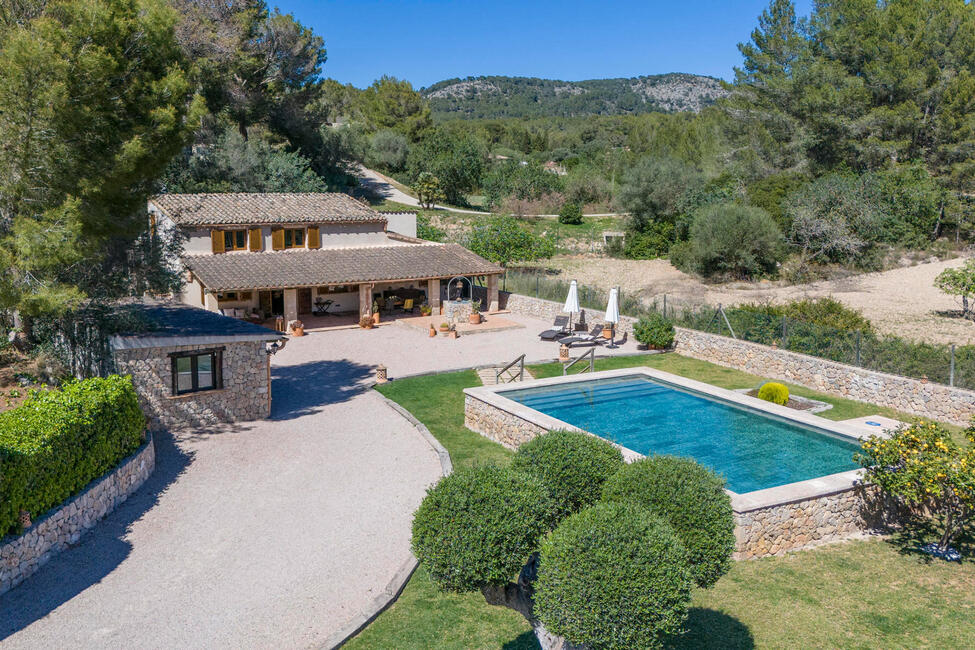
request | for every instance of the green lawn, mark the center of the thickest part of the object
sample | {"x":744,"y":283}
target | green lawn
{"x":863,"y":594}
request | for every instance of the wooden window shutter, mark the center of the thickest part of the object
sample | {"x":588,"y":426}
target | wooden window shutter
{"x":255,"y":238}
{"x":216,"y":239}
{"x":314,"y":241}
{"x":277,"y":239}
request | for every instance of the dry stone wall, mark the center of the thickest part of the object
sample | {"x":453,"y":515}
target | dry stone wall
{"x":924,"y":399}
{"x":245,"y":394}
{"x":497,"y":425}
{"x":21,"y":556}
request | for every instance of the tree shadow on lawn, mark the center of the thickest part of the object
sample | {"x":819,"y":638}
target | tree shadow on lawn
{"x":302,"y":388}
{"x":914,"y":532}
{"x":706,"y":628}
{"x":99,"y":551}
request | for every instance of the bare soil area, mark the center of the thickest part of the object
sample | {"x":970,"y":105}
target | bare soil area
{"x":902,"y":302}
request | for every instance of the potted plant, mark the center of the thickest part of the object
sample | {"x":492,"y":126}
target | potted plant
{"x":475,"y":317}
{"x":433,"y":330}
{"x":366,"y":322}
{"x":426,"y":310}
{"x":444,"y":328}
{"x":375,"y":312}
{"x":297,"y":328}
{"x":654,"y":331}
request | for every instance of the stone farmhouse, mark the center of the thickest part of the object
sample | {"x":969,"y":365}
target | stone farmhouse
{"x":258,"y":256}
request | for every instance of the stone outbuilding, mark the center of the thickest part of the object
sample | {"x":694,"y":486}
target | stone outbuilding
{"x":196,"y":368}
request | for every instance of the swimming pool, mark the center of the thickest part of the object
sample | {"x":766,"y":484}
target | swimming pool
{"x":753,"y":448}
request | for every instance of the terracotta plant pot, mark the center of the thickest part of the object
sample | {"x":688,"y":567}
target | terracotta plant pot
{"x":433,"y":332}
{"x":607,"y":332}
{"x":375,"y":318}
{"x":452,"y":334}
{"x":298,"y":331}
{"x":475,"y":319}
{"x":563,"y":352}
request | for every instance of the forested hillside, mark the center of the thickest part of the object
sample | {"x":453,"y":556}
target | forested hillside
{"x":495,"y":97}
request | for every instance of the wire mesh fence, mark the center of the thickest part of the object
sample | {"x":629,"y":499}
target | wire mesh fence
{"x":941,"y":363}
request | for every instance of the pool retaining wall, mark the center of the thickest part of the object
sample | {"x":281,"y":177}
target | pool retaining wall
{"x":923,"y":398}
{"x":764,"y":525}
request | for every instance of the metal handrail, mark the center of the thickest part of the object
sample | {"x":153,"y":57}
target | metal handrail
{"x":521,"y":371}
{"x":592,"y":359}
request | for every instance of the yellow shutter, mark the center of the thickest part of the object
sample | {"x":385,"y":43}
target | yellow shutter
{"x":255,"y":239}
{"x":216,"y":238}
{"x":277,"y":239}
{"x":313,"y":239}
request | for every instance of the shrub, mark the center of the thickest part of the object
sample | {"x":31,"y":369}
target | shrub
{"x":573,"y":466}
{"x":613,"y":576}
{"x":570,"y":213}
{"x":652,"y":242}
{"x":734,"y":240}
{"x":774,"y":392}
{"x":654,"y":330}
{"x":503,"y":240}
{"x":692,"y":500}
{"x":57,"y":442}
{"x":480,"y":525}
{"x":923,"y":468}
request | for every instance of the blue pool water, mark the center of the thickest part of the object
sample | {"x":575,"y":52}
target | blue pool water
{"x":750,"y":449}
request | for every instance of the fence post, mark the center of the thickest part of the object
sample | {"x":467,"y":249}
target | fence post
{"x":785,"y":331}
{"x":858,"y":347}
{"x":536,"y":284}
{"x":951,"y":369}
{"x":665,"y":305}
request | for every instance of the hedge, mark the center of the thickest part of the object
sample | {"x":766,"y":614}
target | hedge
{"x":57,"y":442}
{"x":613,"y":576}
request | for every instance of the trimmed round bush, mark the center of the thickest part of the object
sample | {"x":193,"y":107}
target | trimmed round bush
{"x":774,"y":392}
{"x":573,"y":466}
{"x":654,"y":330}
{"x":613,"y":576}
{"x":480,"y":525}
{"x":692,"y":500}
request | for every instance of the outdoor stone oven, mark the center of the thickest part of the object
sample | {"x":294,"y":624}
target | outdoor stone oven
{"x":194,"y":368}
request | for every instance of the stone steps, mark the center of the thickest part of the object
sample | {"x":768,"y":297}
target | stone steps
{"x":488,"y":375}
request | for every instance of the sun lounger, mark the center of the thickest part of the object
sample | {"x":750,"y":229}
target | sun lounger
{"x":595,"y":337}
{"x":560,"y":328}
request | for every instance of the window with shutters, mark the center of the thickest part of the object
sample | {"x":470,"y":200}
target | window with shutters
{"x":235,"y":240}
{"x":197,"y":371}
{"x":294,"y":237}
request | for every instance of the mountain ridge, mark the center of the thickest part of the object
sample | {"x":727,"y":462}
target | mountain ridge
{"x":498,"y":96}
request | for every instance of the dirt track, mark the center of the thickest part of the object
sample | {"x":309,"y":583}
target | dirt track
{"x":902,"y":301}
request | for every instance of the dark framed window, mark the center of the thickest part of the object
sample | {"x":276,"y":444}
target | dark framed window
{"x":235,"y":240}
{"x":294,"y":238}
{"x":196,"y":371}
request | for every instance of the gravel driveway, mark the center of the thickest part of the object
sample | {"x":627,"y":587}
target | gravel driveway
{"x":272,"y":534}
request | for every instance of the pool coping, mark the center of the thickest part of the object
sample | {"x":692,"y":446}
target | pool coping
{"x":741,"y":502}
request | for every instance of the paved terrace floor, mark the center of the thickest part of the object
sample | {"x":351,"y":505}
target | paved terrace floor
{"x":270,"y":534}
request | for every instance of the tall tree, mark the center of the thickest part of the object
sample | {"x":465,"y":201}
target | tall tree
{"x":393,"y":104}
{"x":94,"y":101}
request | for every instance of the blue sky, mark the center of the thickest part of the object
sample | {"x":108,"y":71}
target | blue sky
{"x":430,"y":40}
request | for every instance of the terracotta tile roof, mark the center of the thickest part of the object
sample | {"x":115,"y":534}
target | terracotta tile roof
{"x":262,"y":208}
{"x":306,"y":268}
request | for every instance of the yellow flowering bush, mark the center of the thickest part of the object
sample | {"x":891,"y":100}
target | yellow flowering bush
{"x":923,"y":468}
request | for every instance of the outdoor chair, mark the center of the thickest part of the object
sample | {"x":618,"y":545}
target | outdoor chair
{"x":595,"y":337}
{"x":408,"y":305}
{"x":560,"y":328}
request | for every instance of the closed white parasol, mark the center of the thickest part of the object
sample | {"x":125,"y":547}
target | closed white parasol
{"x":572,"y":301}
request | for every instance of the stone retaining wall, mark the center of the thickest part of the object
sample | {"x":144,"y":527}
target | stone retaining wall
{"x":245,"y":394}
{"x":21,"y":556}
{"x":775,"y":530}
{"x":925,"y":399}
{"x":497,"y":425}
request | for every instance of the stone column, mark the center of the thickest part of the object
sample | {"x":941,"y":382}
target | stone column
{"x":433,"y":294}
{"x":365,"y":300}
{"x":492,"y":293}
{"x":290,"y":305}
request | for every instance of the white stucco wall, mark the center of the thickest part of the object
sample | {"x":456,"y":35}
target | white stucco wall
{"x":403,"y":223}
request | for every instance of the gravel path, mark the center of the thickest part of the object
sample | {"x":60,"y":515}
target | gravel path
{"x":902,"y":301}
{"x":272,"y":534}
